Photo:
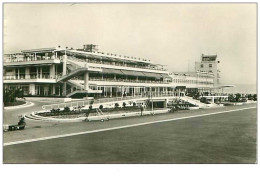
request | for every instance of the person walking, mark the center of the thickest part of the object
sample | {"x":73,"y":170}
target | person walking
{"x":142,"y":109}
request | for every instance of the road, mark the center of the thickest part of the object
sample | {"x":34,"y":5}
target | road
{"x":228,"y":137}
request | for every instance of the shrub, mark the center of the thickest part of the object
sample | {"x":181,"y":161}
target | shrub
{"x":9,"y":95}
{"x":101,"y":107}
{"x":90,"y":107}
{"x":116,"y":105}
{"x":66,"y":109}
{"x":124,"y":104}
{"x":134,"y":104}
{"x":238,"y":96}
{"x":79,"y":108}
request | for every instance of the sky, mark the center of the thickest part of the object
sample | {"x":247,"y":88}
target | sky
{"x":170,"y":34}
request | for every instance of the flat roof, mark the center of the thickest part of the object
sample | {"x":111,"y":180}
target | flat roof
{"x":109,"y":56}
{"x":39,"y":50}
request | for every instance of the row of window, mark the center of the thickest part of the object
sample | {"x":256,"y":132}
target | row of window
{"x":191,"y":81}
{"x":202,"y":65}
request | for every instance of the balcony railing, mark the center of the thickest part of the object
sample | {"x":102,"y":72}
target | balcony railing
{"x":115,"y":64}
{"x":30,"y":76}
{"x":14,"y":60}
{"x":126,"y":80}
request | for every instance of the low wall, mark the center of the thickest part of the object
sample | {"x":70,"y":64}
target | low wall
{"x":123,"y":115}
{"x":97,"y":118}
{"x":50,"y":119}
{"x":234,"y":104}
{"x":48,"y":99}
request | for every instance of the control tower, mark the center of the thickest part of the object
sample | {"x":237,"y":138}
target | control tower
{"x":209,"y":64}
{"x":90,"y":48}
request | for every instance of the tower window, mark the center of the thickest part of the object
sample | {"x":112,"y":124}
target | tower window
{"x":210,"y":65}
{"x":201,"y":65}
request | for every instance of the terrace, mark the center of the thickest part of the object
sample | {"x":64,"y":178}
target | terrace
{"x":116,"y":62}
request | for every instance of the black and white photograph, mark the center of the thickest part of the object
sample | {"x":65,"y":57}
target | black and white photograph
{"x":129,"y":83}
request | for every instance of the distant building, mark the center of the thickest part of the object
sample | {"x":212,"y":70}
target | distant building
{"x":209,"y":64}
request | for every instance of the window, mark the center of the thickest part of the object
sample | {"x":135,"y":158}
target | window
{"x":210,"y":65}
{"x":201,"y":65}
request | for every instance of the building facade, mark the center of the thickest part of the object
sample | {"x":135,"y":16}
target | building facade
{"x":85,"y":72}
{"x":209,"y":64}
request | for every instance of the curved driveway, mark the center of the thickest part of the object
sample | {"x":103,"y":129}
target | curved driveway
{"x":11,"y":115}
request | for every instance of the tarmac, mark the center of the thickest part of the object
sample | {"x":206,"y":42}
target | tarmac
{"x":219,"y":135}
{"x":39,"y":129}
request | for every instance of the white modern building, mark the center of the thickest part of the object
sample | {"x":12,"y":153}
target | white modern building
{"x":209,"y":64}
{"x":64,"y":72}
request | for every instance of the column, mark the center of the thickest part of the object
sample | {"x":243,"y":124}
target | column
{"x":53,"y":89}
{"x":64,"y":72}
{"x":52,"y":55}
{"x":45,"y":90}
{"x":165,"y":103}
{"x":111,"y":91}
{"x":40,"y":72}
{"x":32,"y":89}
{"x":64,"y":89}
{"x":27,"y":73}
{"x":212,"y":99}
{"x":52,"y":71}
{"x":134,"y":91}
{"x":86,"y":78}
{"x":35,"y":57}
{"x":122,"y":91}
{"x":18,"y":71}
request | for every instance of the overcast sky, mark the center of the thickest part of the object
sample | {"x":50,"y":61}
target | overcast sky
{"x":171,"y":34}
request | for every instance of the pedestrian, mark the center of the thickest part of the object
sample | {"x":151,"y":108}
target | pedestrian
{"x":142,"y":109}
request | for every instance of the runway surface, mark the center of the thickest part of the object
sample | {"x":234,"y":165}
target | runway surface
{"x":228,"y":137}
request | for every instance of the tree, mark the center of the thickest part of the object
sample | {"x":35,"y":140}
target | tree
{"x":66,"y":109}
{"x":134,"y":104}
{"x":10,"y":94}
{"x":238,"y":96}
{"x":231,"y":98}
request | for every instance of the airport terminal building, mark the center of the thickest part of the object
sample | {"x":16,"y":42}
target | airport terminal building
{"x":87,"y":71}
